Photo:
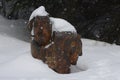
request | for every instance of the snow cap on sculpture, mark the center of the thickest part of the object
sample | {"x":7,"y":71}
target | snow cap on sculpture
{"x":40,"y":11}
{"x":58,"y":24}
{"x":61,"y":25}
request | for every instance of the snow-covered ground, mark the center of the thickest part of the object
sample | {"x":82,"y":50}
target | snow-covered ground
{"x":100,"y":61}
{"x":14,"y":28}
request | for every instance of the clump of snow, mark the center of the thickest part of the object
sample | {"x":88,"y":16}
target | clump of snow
{"x":40,"y":11}
{"x":47,"y":46}
{"x":58,"y":24}
{"x":61,"y":25}
{"x":32,"y":32}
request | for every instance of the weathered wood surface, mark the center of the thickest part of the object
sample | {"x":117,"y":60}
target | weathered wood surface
{"x":59,"y":50}
{"x":60,"y":53}
{"x":42,"y":29}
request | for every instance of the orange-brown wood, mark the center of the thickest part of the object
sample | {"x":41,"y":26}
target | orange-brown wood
{"x":59,"y":50}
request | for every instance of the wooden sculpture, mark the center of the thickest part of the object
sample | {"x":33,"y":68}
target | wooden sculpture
{"x":57,"y":49}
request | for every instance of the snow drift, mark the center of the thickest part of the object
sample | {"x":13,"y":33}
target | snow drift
{"x":100,"y":61}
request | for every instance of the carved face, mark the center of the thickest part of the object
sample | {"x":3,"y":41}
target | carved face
{"x":42,"y":30}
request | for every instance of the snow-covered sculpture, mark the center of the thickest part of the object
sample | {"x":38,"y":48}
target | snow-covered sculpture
{"x":55,"y":41}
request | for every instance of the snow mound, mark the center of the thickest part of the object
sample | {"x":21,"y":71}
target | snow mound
{"x":58,"y":24}
{"x":40,"y":11}
{"x":16,"y":59}
{"x":61,"y":25}
{"x":10,"y":48}
{"x":100,"y":61}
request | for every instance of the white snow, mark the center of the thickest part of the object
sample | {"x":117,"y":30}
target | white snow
{"x":13,"y":28}
{"x":61,"y":25}
{"x":32,"y":33}
{"x":47,"y":46}
{"x":58,"y":24}
{"x":40,"y":11}
{"x":100,"y":61}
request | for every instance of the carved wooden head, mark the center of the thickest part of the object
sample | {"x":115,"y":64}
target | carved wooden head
{"x":42,"y":29}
